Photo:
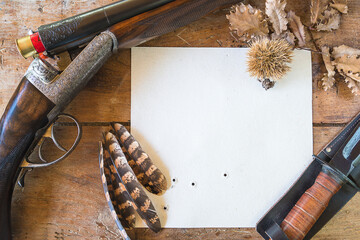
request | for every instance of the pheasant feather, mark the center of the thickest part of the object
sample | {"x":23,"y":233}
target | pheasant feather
{"x":156,"y":180}
{"x":125,"y":175}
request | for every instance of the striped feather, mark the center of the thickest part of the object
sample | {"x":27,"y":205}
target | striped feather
{"x":112,"y":196}
{"x":140,"y":175}
{"x":107,"y":194}
{"x":156,"y":181}
{"x":125,"y":175}
{"x":122,"y":201}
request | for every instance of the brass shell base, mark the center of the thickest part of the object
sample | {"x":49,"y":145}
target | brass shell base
{"x":25,"y":47}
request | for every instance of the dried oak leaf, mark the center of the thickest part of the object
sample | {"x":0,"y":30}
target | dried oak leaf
{"x":297,"y":28}
{"x":344,"y":50}
{"x":341,"y":7}
{"x":247,"y":22}
{"x":316,"y":8}
{"x":288,"y":36}
{"x":348,"y":65}
{"x":277,"y":15}
{"x":329,"y":20}
{"x":353,"y":85}
{"x":328,"y":80}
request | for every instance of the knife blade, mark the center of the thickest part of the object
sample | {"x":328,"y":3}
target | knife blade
{"x":348,"y":156}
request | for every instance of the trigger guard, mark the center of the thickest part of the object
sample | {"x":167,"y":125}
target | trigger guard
{"x":27,"y":164}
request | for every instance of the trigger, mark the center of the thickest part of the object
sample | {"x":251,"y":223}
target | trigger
{"x":52,"y":136}
{"x":49,"y":131}
{"x":21,"y":179}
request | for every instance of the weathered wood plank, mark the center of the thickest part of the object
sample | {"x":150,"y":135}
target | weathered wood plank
{"x":107,"y":96}
{"x":335,"y":106}
{"x":17,"y":18}
{"x":67,"y":200}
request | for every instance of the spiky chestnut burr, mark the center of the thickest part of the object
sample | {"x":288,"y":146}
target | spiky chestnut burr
{"x":268,"y":60}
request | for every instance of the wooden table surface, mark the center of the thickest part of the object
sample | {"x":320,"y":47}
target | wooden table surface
{"x":66,"y":201}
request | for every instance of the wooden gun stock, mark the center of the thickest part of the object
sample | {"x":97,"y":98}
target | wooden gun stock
{"x":310,"y":206}
{"x":25,"y":114}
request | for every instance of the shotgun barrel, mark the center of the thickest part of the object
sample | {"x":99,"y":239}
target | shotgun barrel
{"x":74,"y":31}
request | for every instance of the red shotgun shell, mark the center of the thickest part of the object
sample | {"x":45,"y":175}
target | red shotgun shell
{"x":36,"y":41}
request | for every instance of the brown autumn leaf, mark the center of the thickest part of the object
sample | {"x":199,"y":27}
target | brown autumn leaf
{"x":348,"y":65}
{"x":288,"y":36}
{"x":297,"y":28}
{"x":316,"y":8}
{"x":353,"y":85}
{"x":247,"y":22}
{"x":346,"y":61}
{"x":344,"y":50}
{"x":328,"y":80}
{"x":277,"y":15}
{"x":329,"y":20}
{"x":341,"y":7}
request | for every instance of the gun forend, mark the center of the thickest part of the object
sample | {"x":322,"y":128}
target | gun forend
{"x":164,"y":19}
{"x":77,"y":30}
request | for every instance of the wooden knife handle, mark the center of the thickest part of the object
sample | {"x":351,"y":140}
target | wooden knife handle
{"x":311,"y":205}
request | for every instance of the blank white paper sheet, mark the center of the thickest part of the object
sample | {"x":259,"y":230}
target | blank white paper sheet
{"x":229,"y":148}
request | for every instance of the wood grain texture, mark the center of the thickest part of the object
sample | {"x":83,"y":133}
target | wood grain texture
{"x":25,"y":114}
{"x":67,"y":200}
{"x":164,"y":19}
{"x":56,"y":203}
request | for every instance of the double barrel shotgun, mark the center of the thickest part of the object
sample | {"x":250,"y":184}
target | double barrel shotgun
{"x":46,"y":89}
